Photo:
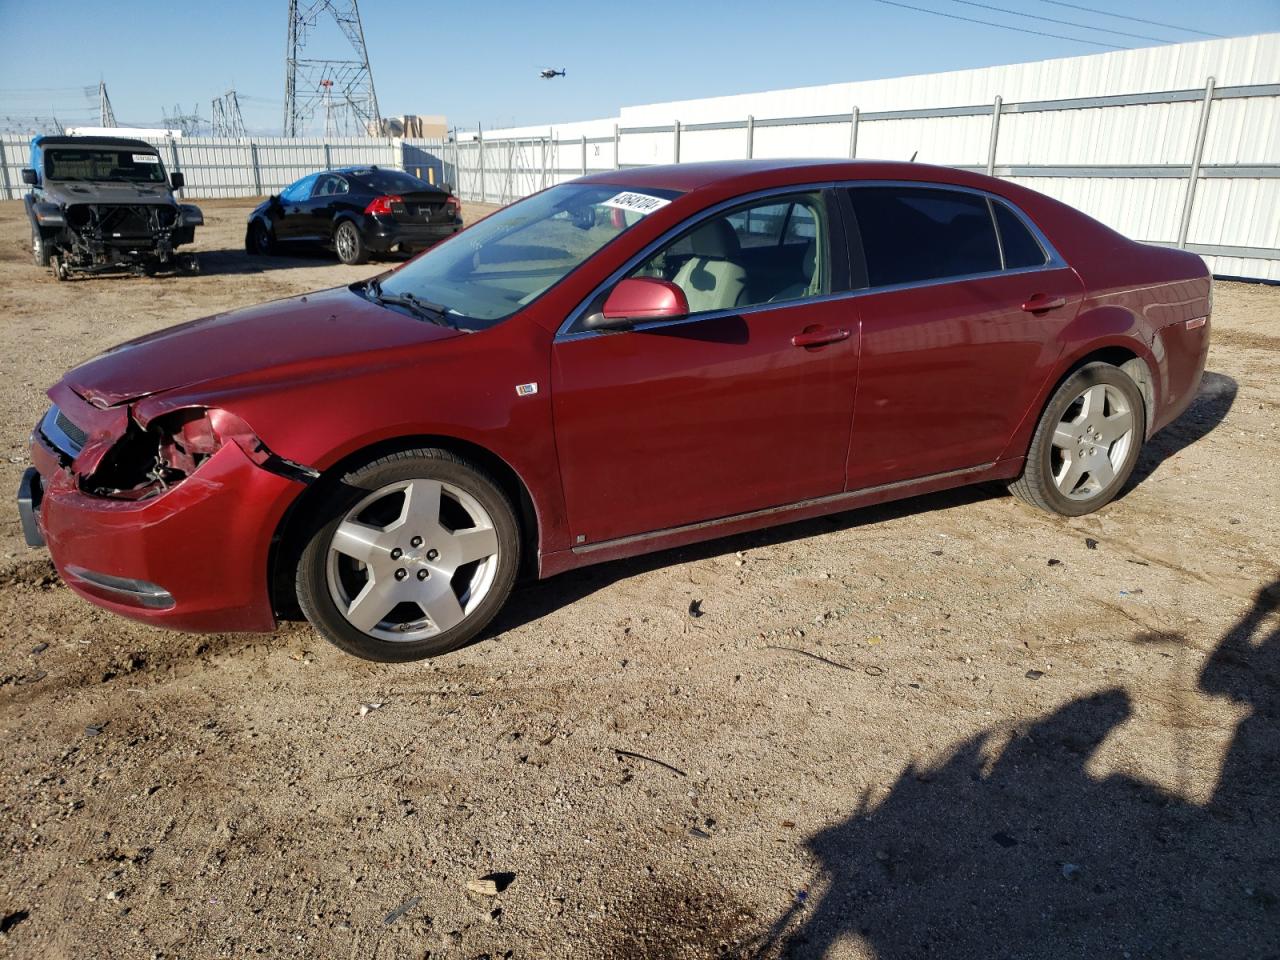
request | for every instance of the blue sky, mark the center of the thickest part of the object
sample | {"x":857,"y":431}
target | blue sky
{"x":479,"y":61}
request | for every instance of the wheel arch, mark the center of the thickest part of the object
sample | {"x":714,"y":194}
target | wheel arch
{"x":1126,"y":352}
{"x":289,"y":537}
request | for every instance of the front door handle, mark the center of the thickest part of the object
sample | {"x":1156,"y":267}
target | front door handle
{"x":1041,"y":302}
{"x":819,"y":336}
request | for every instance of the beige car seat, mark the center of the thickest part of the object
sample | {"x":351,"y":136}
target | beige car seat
{"x":711,"y":278}
{"x":804,"y":286}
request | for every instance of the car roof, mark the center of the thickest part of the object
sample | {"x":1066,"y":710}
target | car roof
{"x":748,"y":174}
{"x":122,"y":142}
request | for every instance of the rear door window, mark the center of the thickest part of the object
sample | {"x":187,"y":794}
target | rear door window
{"x":1021,"y":249}
{"x":918,"y":234}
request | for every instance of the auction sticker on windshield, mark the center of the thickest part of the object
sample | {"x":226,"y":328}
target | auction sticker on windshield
{"x":640,"y":203}
{"x":145,"y":158}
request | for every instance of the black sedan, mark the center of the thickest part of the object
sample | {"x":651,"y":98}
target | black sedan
{"x":356,"y":212}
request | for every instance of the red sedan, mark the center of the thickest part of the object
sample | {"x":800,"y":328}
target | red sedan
{"x":628,"y":362}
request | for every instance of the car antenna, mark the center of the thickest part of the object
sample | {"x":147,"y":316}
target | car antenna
{"x":913,"y":157}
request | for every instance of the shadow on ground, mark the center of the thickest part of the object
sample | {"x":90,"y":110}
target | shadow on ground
{"x":1210,"y":407}
{"x":229,"y":262}
{"x":1017,"y":851}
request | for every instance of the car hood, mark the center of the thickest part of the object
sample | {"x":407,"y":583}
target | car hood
{"x":299,"y":337}
{"x":70,"y":192}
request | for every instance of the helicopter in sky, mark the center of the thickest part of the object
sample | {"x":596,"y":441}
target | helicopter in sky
{"x":550,"y":72}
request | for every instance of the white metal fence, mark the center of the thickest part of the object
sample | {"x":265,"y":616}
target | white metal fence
{"x":1038,"y":143}
{"x":1226,"y":167}
{"x":232,"y":167}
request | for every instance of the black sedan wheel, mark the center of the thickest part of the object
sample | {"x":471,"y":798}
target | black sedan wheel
{"x":349,"y":244}
{"x":259,"y":240}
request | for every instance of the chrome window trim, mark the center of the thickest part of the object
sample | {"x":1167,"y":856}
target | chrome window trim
{"x":565,"y":333}
{"x":56,"y":436}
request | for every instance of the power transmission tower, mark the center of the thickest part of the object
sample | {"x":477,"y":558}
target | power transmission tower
{"x":227,"y":120}
{"x":344,"y":87}
{"x":188,"y":123}
{"x":106,"y":114}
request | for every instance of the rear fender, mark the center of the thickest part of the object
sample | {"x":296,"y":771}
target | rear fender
{"x":1097,"y":330}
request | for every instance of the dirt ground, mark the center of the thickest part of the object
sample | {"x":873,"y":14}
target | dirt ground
{"x":947,"y":727}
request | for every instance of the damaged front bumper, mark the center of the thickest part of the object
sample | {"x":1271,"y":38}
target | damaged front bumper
{"x":192,"y":557}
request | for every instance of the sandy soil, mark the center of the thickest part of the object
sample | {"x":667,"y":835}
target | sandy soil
{"x":947,"y":727}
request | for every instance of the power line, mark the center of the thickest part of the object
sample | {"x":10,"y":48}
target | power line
{"x":1065,"y":23}
{"x":1001,"y":26}
{"x":1122,"y":16}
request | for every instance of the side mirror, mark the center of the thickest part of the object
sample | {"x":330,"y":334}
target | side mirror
{"x":29,"y":177}
{"x":177,"y":180}
{"x":639,"y":300}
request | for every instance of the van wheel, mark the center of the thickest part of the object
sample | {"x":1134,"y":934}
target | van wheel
{"x":1086,"y":443}
{"x":411,"y":557}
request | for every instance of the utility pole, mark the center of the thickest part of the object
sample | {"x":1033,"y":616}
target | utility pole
{"x":342,"y":86}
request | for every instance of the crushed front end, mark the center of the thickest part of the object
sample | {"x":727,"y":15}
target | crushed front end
{"x":113,"y":237}
{"x":168,"y":521}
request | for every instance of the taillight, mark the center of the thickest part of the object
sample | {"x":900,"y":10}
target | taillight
{"x":453,"y":205}
{"x":383,"y":204}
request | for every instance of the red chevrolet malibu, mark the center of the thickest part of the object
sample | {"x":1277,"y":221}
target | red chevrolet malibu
{"x":628,"y":362}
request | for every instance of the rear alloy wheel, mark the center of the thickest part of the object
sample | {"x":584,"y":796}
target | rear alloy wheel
{"x":414,"y":554}
{"x":1086,"y":444}
{"x":349,"y":245}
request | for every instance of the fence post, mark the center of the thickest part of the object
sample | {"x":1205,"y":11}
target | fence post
{"x":1197,"y":155}
{"x":4,"y":170}
{"x":257,"y":169}
{"x":853,"y":133}
{"x":173,"y":154}
{"x":480,"y":140}
{"x":751,"y":136}
{"x":328,"y":162}
{"x":676,"y":131}
{"x":617,"y":148}
{"x":584,"y":154}
{"x":995,"y":136}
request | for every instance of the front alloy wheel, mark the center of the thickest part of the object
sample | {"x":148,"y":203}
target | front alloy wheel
{"x":417,"y":552}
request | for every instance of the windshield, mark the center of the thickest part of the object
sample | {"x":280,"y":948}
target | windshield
{"x":103,"y":163}
{"x":391,"y":181}
{"x":507,"y":260}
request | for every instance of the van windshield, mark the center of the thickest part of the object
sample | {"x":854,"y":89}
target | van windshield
{"x":504,"y":262}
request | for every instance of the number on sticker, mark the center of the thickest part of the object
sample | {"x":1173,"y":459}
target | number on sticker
{"x":640,"y":203}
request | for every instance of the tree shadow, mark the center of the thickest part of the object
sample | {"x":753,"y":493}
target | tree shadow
{"x":1017,"y":851}
{"x":1212,"y":402}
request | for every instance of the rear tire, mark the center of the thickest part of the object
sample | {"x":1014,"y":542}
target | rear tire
{"x":1086,"y":443}
{"x":349,"y":244}
{"x":409,"y":556}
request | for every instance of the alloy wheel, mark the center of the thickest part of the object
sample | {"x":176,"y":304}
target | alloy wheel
{"x":1091,"y":441}
{"x":411,"y":560}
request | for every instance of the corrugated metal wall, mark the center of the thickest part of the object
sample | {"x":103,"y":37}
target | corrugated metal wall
{"x":228,"y":167}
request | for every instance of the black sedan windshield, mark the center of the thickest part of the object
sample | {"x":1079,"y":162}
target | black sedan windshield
{"x":103,"y":163}
{"x":507,"y":260}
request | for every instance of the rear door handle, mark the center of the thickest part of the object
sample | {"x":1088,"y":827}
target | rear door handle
{"x":819,"y":336}
{"x":1041,"y":302}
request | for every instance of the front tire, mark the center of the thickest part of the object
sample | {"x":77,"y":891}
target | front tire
{"x":1086,"y":443}
{"x":259,"y":241}
{"x":349,"y":244}
{"x":411,"y":557}
{"x":39,"y":249}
